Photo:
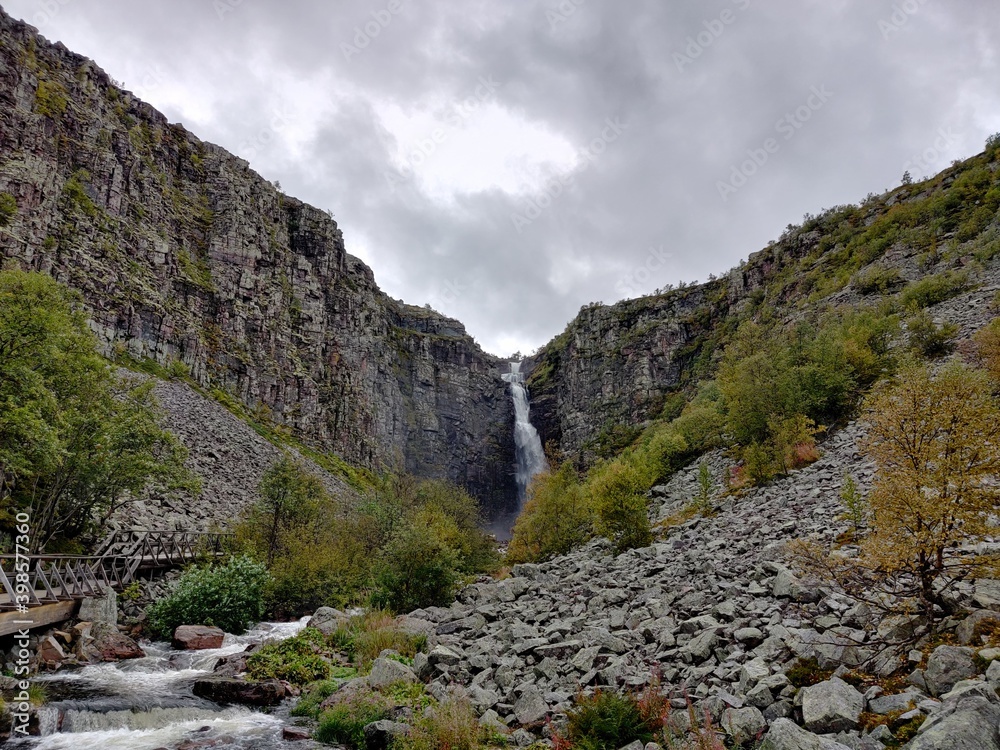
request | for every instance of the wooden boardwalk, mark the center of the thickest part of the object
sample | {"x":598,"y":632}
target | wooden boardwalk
{"x":56,"y":584}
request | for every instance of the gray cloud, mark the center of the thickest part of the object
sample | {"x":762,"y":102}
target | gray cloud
{"x":702,"y":87}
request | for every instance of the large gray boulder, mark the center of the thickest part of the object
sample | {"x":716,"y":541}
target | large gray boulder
{"x":743,"y":724}
{"x":102,"y":608}
{"x":966,"y":723}
{"x":388,"y":671}
{"x":947,"y":666}
{"x":531,"y":707}
{"x":831,"y":706}
{"x":987,"y":594}
{"x":785,"y":734}
{"x":326,"y":620}
{"x":966,"y":628}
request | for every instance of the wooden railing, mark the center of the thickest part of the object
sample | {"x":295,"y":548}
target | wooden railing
{"x":162,"y":549}
{"x":122,"y":556}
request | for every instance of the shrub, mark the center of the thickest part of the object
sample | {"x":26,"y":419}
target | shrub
{"x":229,"y":597}
{"x":622,"y":513}
{"x":364,"y":637}
{"x":987,"y":342}
{"x":50,"y":99}
{"x":298,"y":660}
{"x":806,"y":672}
{"x":758,"y":463}
{"x":854,"y":503}
{"x":452,"y":725}
{"x":607,"y":721}
{"x":928,"y":338}
{"x":934,"y":289}
{"x":703,"y":500}
{"x":556,"y":518}
{"x":877,"y":280}
{"x":316,"y":693}
{"x":8,"y":208}
{"x":345,"y":721}
{"x":416,"y":570}
{"x":76,"y":194}
{"x":993,"y":144}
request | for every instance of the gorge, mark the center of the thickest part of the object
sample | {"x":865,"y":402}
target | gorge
{"x":709,"y":448}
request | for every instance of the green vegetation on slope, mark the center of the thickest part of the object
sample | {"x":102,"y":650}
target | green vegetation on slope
{"x":76,"y":440}
{"x":407,"y":544}
{"x":764,"y":377}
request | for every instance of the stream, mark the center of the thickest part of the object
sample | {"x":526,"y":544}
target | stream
{"x":148,"y":703}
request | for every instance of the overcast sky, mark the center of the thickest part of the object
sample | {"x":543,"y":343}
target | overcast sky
{"x":508,"y":161}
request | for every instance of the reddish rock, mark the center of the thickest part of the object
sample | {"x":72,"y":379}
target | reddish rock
{"x":197,"y":637}
{"x":112,"y":645}
{"x":294,"y":734}
{"x":228,"y":690}
{"x":49,"y":650}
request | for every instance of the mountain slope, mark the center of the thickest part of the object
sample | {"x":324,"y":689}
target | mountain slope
{"x":615,"y":367}
{"x":184,"y":254}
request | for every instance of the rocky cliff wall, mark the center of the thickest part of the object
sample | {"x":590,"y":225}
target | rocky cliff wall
{"x":615,"y":366}
{"x":183,"y":253}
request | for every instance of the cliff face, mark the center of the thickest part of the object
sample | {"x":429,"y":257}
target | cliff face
{"x":183,"y":253}
{"x":615,"y":367}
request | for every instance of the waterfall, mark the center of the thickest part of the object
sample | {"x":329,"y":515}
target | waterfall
{"x":148,"y":703}
{"x":527,"y":444}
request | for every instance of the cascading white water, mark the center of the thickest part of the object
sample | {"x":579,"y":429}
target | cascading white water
{"x":528,"y":446}
{"x":147,"y":703}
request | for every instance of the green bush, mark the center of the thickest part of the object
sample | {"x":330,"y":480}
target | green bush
{"x":452,"y":725}
{"x":607,"y":721}
{"x":345,"y":722}
{"x":618,"y":495}
{"x":556,"y":518}
{"x":928,"y":338}
{"x":229,"y":597}
{"x":417,"y":570}
{"x":314,"y":695}
{"x":299,"y":660}
{"x":366,"y":636}
{"x":8,"y":208}
{"x":877,"y":280}
{"x":934,"y":289}
{"x":50,"y":99}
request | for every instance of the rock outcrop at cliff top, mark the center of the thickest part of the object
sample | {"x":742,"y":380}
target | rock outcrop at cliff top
{"x":182,"y":252}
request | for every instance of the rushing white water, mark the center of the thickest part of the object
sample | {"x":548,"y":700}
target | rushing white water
{"x":528,"y":446}
{"x":147,"y":703}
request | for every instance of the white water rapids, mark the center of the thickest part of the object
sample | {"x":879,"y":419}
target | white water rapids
{"x":147,"y":703}
{"x":528,"y":450}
